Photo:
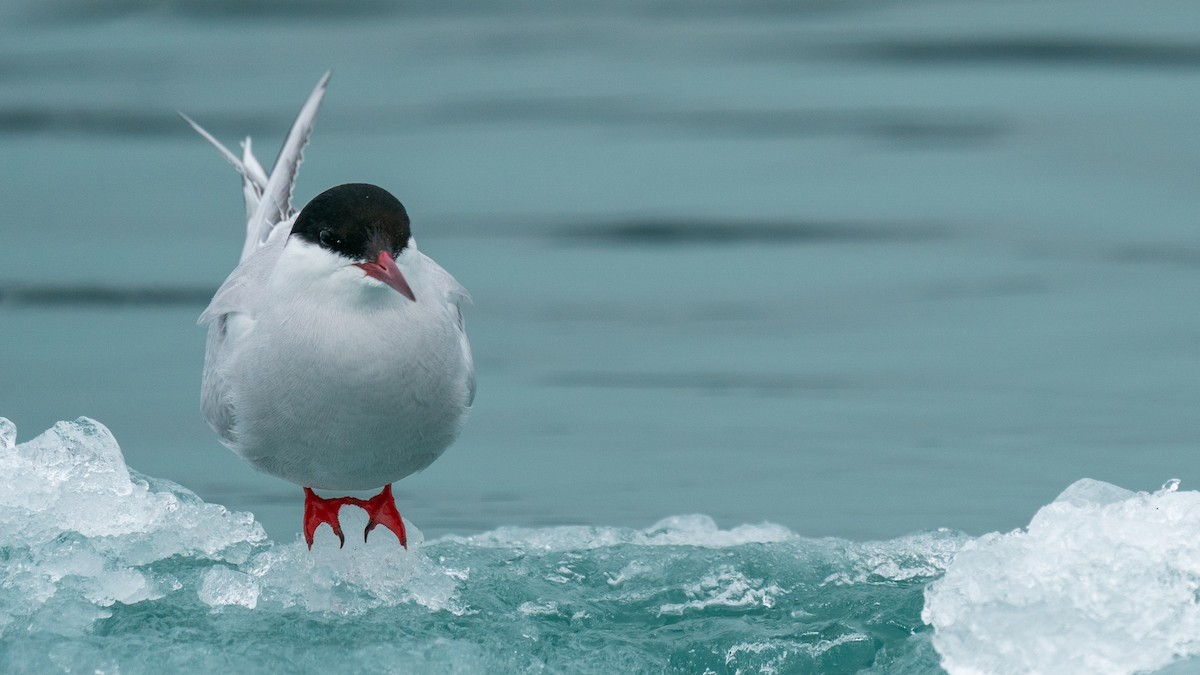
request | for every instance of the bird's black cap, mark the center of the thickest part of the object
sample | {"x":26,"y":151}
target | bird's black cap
{"x":356,"y":220}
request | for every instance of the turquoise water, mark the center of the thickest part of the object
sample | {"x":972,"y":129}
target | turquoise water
{"x":863,"y":270}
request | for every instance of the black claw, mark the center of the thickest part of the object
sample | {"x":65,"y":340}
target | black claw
{"x":341,"y":540}
{"x":370,"y":526}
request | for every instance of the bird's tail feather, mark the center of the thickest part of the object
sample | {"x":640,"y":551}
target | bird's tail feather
{"x":269,"y":198}
{"x":254,"y":180}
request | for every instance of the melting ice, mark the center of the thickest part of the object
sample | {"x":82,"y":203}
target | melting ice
{"x":105,"y":570}
{"x":1103,"y":580}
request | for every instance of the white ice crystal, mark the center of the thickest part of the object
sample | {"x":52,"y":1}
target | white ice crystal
{"x":1103,"y":580}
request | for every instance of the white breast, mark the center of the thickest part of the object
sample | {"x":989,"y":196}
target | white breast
{"x":339,"y":382}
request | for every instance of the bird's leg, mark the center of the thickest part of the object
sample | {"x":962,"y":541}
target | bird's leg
{"x":318,"y":510}
{"x":381,"y":510}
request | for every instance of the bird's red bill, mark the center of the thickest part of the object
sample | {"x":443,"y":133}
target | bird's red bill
{"x":384,"y":269}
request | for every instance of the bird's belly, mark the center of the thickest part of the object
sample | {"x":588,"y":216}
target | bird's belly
{"x":346,"y":457}
{"x":325,"y":418}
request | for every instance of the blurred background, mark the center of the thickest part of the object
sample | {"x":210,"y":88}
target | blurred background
{"x":858,"y":267}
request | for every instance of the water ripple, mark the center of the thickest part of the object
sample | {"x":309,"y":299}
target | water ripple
{"x":30,"y":295}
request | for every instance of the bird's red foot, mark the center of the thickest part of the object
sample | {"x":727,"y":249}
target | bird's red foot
{"x":381,"y":510}
{"x":318,"y":510}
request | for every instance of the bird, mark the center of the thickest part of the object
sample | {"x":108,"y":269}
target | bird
{"x":336,"y":356}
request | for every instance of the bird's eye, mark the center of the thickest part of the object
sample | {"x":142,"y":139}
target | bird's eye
{"x":327,"y":239}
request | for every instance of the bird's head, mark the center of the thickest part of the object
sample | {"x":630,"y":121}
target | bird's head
{"x":363,"y":226}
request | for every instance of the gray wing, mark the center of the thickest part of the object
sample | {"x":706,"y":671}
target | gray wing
{"x":229,"y":317}
{"x":457,"y":296}
{"x":215,"y":404}
{"x":466,"y":346}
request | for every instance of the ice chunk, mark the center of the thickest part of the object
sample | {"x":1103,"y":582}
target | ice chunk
{"x":1103,"y":580}
{"x":8,"y":434}
{"x":354,"y":580}
{"x":78,"y":530}
{"x":222,"y":586}
{"x":83,"y":529}
{"x":81,"y":455}
{"x":1088,"y":492}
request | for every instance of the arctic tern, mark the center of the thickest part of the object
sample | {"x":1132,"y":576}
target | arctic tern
{"x":336,"y":355}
